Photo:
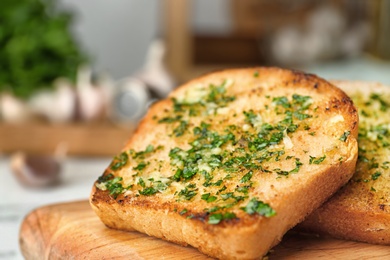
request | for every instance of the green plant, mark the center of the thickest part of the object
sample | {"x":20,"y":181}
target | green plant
{"x":36,"y":46}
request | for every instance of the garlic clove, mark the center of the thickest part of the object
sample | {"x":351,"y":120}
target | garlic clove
{"x":35,"y":170}
{"x":90,"y":98}
{"x":154,"y":72}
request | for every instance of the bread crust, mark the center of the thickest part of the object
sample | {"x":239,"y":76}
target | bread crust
{"x":293,"y":197}
{"x":359,"y":211}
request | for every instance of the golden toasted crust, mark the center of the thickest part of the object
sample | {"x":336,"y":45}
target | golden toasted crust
{"x":303,"y":168}
{"x":360,"y":211}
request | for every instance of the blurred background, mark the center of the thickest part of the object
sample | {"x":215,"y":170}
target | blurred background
{"x":77,"y":76}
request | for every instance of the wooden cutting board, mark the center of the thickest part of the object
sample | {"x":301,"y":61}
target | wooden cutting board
{"x":73,"y":231}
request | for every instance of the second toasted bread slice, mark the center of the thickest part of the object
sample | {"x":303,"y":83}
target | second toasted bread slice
{"x":361,"y":210}
{"x":231,"y":161}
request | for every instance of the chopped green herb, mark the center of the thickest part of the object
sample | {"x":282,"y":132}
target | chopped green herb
{"x":141,"y":154}
{"x":141,"y":183}
{"x":376,"y":175}
{"x":140,"y":166}
{"x":208,"y":198}
{"x":364,"y":113}
{"x":303,"y":101}
{"x":298,"y":165}
{"x":119,"y":161}
{"x":385,"y":165}
{"x":217,"y":95}
{"x":216,"y":218}
{"x":345,"y":136}
{"x":222,"y":189}
{"x":384,"y":105}
{"x":189,"y":172}
{"x":373,"y":165}
{"x":213,"y":209}
{"x":229,"y":215}
{"x":105,"y":178}
{"x":259,"y":207}
{"x":177,"y":175}
{"x":148,"y":191}
{"x":227,"y":195}
{"x":179,"y":131}
{"x":250,"y":117}
{"x":243,"y":189}
{"x":188,"y":192}
{"x":149,"y":149}
{"x":281,"y":172}
{"x":315,"y":160}
{"x":170,"y":119}
{"x":301,"y":116}
{"x":232,"y":196}
{"x":114,"y":186}
{"x":247,"y":177}
{"x":161,"y":186}
{"x":283,"y":101}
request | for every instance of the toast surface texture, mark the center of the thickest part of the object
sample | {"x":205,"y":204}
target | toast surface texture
{"x":360,"y":211}
{"x":231,"y":161}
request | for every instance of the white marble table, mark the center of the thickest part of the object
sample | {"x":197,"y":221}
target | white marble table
{"x":16,"y":201}
{"x":364,"y":68}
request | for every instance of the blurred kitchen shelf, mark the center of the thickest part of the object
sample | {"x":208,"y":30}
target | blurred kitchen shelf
{"x":82,"y":139}
{"x":190,"y":54}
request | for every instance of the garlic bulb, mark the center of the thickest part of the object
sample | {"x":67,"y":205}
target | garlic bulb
{"x":90,"y":98}
{"x":57,"y":106}
{"x":154,"y":73}
{"x":12,"y":109}
{"x":130,"y":101}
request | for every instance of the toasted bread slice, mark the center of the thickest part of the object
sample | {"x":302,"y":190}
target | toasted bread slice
{"x":360,"y":211}
{"x":231,"y":161}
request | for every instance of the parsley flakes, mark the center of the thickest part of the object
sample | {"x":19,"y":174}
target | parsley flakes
{"x":111,"y":183}
{"x":119,"y":161}
{"x":214,"y":156}
{"x":207,"y":197}
{"x":375,"y":175}
{"x":345,"y":136}
{"x":218,"y":217}
{"x":315,"y":160}
{"x":259,"y":207}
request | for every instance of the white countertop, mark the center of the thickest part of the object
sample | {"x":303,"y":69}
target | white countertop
{"x":16,"y":201}
{"x":365,"y":68}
